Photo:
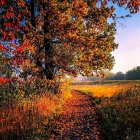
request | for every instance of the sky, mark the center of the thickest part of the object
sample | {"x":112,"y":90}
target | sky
{"x":127,"y":56}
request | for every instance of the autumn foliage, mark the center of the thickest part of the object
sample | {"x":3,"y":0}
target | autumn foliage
{"x":41,"y":44}
{"x":3,"y":80}
{"x":59,"y":37}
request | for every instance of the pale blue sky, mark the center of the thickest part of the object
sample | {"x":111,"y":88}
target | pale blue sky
{"x":127,"y":56}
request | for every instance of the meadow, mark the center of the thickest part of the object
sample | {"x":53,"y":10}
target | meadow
{"x":118,"y":107}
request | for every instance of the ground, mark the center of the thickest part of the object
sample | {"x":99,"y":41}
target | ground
{"x":78,"y":121}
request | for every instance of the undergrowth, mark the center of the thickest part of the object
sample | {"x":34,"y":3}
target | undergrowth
{"x":29,"y":117}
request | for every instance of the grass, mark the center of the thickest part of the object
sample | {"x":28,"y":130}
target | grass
{"x":29,"y":117}
{"x":118,"y":106}
{"x":104,"y":82}
{"x":101,"y":90}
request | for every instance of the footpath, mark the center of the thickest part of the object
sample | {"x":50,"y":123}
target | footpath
{"x":78,"y":120}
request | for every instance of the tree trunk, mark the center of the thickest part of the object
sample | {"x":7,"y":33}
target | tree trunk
{"x":33,"y":13}
{"x":48,"y":49}
{"x":47,"y":71}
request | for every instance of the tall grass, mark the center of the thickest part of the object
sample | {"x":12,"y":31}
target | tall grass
{"x":29,"y":117}
{"x":118,"y":106}
{"x":120,"y":114}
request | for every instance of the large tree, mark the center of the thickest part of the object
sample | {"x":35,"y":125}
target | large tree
{"x":47,"y":38}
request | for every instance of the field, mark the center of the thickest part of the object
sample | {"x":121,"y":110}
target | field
{"x":118,"y":107}
{"x":101,"y":90}
{"x":116,"y":103}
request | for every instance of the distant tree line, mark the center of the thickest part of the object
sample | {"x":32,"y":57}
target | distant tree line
{"x":133,"y":74}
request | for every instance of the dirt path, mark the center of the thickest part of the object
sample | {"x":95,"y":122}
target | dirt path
{"x":78,"y":121}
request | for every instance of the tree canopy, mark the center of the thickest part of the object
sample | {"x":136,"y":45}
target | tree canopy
{"x":49,"y":38}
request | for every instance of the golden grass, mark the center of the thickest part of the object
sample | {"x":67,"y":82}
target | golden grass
{"x":29,"y":115}
{"x":121,"y":111}
{"x":101,"y":90}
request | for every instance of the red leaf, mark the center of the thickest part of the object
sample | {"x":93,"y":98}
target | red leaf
{"x":25,"y":28}
{"x":11,"y":35}
{"x":7,"y":24}
{"x":4,"y":35}
{"x":2,"y":2}
{"x":16,"y":61}
{"x":2,"y":48}
{"x":9,"y":14}
{"x":4,"y":80}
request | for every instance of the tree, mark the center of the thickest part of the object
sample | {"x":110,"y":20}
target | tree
{"x":109,"y":75}
{"x":133,"y":74}
{"x":119,"y":76}
{"x":49,"y":38}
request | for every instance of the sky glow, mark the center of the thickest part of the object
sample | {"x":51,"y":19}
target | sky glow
{"x":127,"y":56}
